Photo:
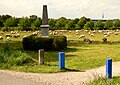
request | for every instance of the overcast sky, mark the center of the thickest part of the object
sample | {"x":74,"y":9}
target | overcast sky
{"x":62,"y":8}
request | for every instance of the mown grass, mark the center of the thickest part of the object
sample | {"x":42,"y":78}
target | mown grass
{"x":79,"y":55}
{"x":105,"y":81}
{"x":91,"y":56}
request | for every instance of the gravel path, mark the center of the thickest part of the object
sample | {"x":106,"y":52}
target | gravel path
{"x":63,"y":78}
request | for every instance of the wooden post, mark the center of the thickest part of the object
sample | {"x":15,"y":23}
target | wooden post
{"x":41,"y":56}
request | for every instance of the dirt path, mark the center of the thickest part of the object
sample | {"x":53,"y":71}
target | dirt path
{"x":66,"y":78}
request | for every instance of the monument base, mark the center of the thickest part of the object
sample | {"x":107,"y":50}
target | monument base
{"x":45,"y":31}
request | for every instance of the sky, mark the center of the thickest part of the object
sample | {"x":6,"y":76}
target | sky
{"x":62,"y":8}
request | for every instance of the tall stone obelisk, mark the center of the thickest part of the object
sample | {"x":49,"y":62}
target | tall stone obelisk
{"x":45,"y":26}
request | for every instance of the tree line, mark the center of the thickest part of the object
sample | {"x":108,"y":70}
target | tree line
{"x":33,"y":22}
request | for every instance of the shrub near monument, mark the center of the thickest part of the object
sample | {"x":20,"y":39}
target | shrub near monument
{"x":35,"y":43}
{"x":59,"y":42}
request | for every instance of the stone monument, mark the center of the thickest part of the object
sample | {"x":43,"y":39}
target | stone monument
{"x":45,"y":27}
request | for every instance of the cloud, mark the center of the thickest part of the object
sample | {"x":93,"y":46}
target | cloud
{"x":59,"y":8}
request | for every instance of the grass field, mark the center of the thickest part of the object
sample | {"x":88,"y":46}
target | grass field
{"x":79,"y":55}
{"x":104,"y":81}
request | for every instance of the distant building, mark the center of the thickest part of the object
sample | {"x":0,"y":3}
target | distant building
{"x":103,"y":16}
{"x":95,"y":20}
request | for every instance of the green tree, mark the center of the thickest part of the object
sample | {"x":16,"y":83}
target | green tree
{"x":5,"y":17}
{"x":117,"y":24}
{"x":10,"y":22}
{"x":60,"y":23}
{"x":70,"y":25}
{"x":33,"y":18}
{"x":89,"y":25}
{"x":1,"y":22}
{"x":24,"y":23}
{"x":36,"y":24}
{"x":99,"y":25}
{"x":52,"y":22}
{"x":108,"y":24}
{"x":76,"y":20}
{"x":81,"y":22}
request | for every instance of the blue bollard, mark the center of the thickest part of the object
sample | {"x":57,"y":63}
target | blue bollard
{"x":61,"y":60}
{"x":109,"y":68}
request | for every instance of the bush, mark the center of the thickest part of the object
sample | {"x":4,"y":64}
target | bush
{"x":59,"y":42}
{"x":19,"y":58}
{"x":47,"y":43}
{"x":35,"y":43}
{"x":12,"y":58}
